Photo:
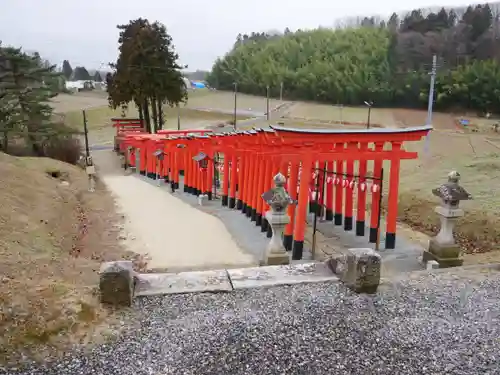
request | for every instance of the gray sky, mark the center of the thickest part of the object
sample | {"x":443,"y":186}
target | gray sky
{"x":85,"y":33}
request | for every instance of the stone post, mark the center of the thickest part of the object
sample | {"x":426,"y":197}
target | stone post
{"x":278,"y":199}
{"x":443,"y":248}
{"x":116,"y":283}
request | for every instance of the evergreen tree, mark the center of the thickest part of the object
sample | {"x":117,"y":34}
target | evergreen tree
{"x":24,"y":97}
{"x":67,"y":69}
{"x":97,"y":77}
{"x":81,"y":74}
{"x":146,"y":72}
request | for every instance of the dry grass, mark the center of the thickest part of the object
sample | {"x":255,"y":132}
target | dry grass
{"x":479,"y":164}
{"x":224,"y":100}
{"x":100,"y":117}
{"x":324,"y":112}
{"x":53,"y":237}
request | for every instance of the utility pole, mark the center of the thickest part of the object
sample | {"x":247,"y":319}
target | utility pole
{"x":235,"y":103}
{"x":431,"y":101}
{"x":431,"y":90}
{"x":281,"y":91}
{"x":369,"y":105}
{"x":178,"y":117}
{"x":267,"y":103}
{"x":86,"y":134}
{"x":89,"y":164}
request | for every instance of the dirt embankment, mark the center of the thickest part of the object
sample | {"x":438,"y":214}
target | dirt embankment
{"x":53,"y":236}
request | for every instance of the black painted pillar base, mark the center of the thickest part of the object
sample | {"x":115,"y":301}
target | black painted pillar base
{"x":253,"y":214}
{"x":151,"y":175}
{"x":288,"y":241}
{"x":248,"y":211}
{"x":269,"y":232}
{"x":258,"y":220}
{"x":243,"y":207}
{"x":337,"y":219}
{"x":224,"y":200}
{"x":186,"y":189}
{"x":264,"y":225}
{"x":209,"y":195}
{"x":232,"y":202}
{"x":390,"y":240}
{"x":142,"y":173}
{"x":329,"y":215}
{"x":165,"y":178}
{"x":348,"y":223}
{"x":360,"y":228}
{"x":297,"y":250}
{"x":197,"y":192}
{"x":373,"y":235}
{"x":239,"y":204}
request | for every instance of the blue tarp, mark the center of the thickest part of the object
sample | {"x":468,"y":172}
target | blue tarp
{"x":198,"y":85}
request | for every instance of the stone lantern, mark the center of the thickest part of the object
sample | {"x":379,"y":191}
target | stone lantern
{"x":160,"y":156}
{"x":278,"y":199}
{"x":442,"y":248}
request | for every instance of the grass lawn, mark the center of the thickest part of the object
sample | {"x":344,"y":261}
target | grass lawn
{"x":324,"y":112}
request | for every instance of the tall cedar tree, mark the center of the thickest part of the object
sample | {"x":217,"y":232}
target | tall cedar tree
{"x":146,"y":72}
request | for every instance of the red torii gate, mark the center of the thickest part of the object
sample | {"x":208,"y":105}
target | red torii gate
{"x":252,"y":158}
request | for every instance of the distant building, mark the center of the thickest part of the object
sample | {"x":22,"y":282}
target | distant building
{"x":79,"y":85}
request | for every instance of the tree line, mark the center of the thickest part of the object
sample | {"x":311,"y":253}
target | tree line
{"x":146,"y":73}
{"x":383,"y":61}
{"x":80,"y":73}
{"x":27,"y":122}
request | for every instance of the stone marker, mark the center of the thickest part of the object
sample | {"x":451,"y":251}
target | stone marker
{"x":278,"y":199}
{"x":443,"y":248}
{"x":116,"y":283}
{"x":359,"y":269}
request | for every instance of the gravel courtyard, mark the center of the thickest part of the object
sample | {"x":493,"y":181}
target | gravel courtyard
{"x":430,"y":324}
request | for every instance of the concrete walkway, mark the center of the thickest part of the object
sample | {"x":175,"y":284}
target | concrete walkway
{"x":174,"y":235}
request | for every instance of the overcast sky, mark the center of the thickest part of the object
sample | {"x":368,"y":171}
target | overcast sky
{"x":84,"y":32}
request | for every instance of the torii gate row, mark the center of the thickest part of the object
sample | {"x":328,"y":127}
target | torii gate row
{"x":252,"y":158}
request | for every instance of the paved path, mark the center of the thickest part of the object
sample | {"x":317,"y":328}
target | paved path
{"x":174,"y":235}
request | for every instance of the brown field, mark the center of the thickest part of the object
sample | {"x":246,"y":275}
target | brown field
{"x":224,"y":101}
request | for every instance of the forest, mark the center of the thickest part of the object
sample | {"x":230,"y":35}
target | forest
{"x":387,"y":62}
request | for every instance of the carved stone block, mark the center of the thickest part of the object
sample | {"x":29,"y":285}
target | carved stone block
{"x":116,"y":283}
{"x":359,"y":269}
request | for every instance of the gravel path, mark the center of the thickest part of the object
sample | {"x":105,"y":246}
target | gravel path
{"x":174,"y":235}
{"x":430,"y":324}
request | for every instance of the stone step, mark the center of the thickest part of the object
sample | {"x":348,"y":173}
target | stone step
{"x":232,"y":279}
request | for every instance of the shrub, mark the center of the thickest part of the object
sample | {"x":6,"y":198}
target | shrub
{"x":63,"y":148}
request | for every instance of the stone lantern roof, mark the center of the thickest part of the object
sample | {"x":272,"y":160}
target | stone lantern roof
{"x":451,"y":191}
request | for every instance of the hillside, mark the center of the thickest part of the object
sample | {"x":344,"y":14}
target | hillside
{"x":53,"y":236}
{"x":383,"y":61}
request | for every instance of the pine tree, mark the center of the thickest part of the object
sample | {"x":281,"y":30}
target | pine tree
{"x":26,"y":95}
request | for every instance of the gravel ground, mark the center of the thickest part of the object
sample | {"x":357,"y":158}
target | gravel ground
{"x":430,"y":324}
